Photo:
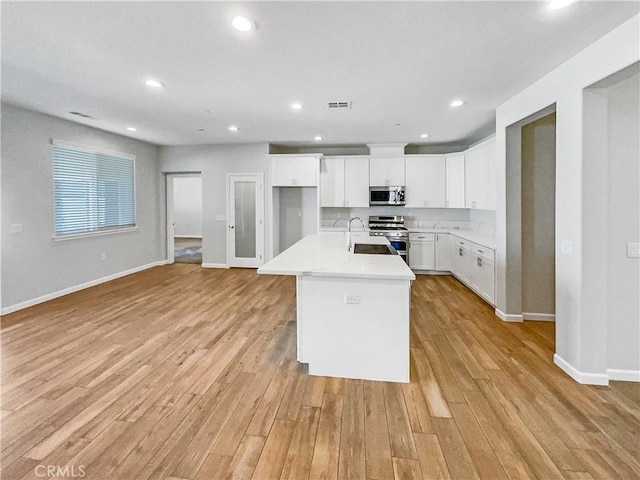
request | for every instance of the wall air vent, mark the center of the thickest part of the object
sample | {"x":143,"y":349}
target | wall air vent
{"x":339,"y":105}
{"x":83,"y":115}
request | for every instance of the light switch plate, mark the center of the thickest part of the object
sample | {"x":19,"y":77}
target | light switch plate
{"x":567,"y":247}
{"x":633,"y":250}
{"x":16,"y":228}
{"x":352,"y":299}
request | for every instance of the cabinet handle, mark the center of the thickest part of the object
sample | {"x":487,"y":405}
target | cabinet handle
{"x":479,"y":262}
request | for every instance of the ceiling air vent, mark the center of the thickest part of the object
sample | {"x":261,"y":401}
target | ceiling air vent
{"x":339,"y":105}
{"x":83,"y":115}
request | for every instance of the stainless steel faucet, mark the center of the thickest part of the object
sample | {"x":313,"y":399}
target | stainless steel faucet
{"x":349,"y":231}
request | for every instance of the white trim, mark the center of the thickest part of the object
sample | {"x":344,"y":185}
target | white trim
{"x":539,"y":317}
{"x":82,"y":286}
{"x":95,"y":233}
{"x":215,"y":265}
{"x":623,"y":375}
{"x":578,"y":376}
{"x":188,"y":236}
{"x":505,"y":317}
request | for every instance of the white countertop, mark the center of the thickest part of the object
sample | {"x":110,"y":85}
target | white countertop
{"x":327,"y":256}
{"x":482,"y":238}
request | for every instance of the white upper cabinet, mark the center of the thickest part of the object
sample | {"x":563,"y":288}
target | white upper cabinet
{"x":426,"y":181}
{"x":356,"y":181}
{"x":386,"y":171}
{"x":455,"y":169}
{"x":344,"y":182}
{"x":294,"y":171}
{"x":332,"y":182}
{"x":480,"y":181}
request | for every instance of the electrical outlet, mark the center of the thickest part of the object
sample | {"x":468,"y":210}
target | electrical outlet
{"x":299,"y":214}
{"x":16,"y":228}
{"x":352,"y":299}
{"x":567,"y":247}
{"x":103,"y":257}
{"x":633,"y":250}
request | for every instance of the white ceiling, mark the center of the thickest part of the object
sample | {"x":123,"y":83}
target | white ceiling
{"x":397,"y":62}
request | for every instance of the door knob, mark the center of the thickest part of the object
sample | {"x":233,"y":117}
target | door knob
{"x":231,"y":226}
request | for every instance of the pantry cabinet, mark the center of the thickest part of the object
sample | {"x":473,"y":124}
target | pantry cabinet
{"x":426,"y":181}
{"x":386,"y":171}
{"x":344,"y":181}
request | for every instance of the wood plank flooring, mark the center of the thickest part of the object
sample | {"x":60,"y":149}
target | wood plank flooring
{"x":180,"y":372}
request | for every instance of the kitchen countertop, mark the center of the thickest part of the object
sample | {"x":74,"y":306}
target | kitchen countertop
{"x":327,"y":256}
{"x":482,"y":238}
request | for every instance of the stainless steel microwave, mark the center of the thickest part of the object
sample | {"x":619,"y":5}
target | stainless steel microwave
{"x":386,"y":196}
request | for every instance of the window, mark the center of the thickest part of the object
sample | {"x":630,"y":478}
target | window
{"x":94,"y":191}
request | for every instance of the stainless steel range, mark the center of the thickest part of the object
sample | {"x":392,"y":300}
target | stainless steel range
{"x":392,"y":227}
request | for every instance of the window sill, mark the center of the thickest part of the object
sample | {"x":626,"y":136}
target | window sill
{"x":98,"y":233}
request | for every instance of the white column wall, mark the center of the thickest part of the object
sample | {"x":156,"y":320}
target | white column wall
{"x":580,"y":349}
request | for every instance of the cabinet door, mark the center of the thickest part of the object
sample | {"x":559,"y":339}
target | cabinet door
{"x":436,"y":182}
{"x":444,"y":252}
{"x":421,"y":254}
{"x":455,"y":180}
{"x":395,"y":171}
{"x":473,"y":182}
{"x":283,"y":171}
{"x":483,"y":273}
{"x":332,"y":182}
{"x":490,"y":162}
{"x":306,"y":172}
{"x":386,"y":171}
{"x":416,"y":170}
{"x":462,"y":261}
{"x":378,"y":172}
{"x":356,"y":173}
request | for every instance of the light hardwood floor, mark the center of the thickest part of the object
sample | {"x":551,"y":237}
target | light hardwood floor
{"x":188,"y":373}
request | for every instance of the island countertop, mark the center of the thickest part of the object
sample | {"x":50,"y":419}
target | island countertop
{"x":327,"y":256}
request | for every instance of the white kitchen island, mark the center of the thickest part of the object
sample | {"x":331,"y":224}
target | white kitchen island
{"x":352,"y":309}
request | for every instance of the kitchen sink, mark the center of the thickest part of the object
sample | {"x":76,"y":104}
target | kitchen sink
{"x":369,"y":249}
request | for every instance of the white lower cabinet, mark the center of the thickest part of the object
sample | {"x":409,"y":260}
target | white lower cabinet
{"x":474,"y":265}
{"x":483,"y":273}
{"x":422,"y":251}
{"x":444,"y":252}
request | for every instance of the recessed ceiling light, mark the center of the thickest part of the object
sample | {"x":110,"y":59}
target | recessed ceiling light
{"x":154,"y":83}
{"x":457,"y":103}
{"x":233,"y":128}
{"x":297,"y":106}
{"x":132,"y":129}
{"x":317,"y":138}
{"x":558,"y":4}
{"x":243,"y":24}
{"x":424,"y":135}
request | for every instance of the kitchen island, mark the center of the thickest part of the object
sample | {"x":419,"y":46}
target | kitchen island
{"x":352,"y":309}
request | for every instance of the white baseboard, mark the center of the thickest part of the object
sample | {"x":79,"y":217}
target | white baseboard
{"x":215,"y":265}
{"x":188,"y":236}
{"x":539,"y":317}
{"x":623,"y":375}
{"x":76,"y":288}
{"x":580,"y":377}
{"x":505,"y":317}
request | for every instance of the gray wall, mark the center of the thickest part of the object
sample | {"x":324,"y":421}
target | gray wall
{"x":33,"y":265}
{"x":298,"y":214}
{"x":215,"y":161}
{"x":538,"y":216}
{"x":623,"y":274}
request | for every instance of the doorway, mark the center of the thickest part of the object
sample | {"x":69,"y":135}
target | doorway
{"x":245,"y":229}
{"x":184,"y":218}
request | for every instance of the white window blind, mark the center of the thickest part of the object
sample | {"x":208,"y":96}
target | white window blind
{"x":94,"y":191}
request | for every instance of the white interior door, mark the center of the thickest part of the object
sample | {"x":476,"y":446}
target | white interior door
{"x":245,"y":228}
